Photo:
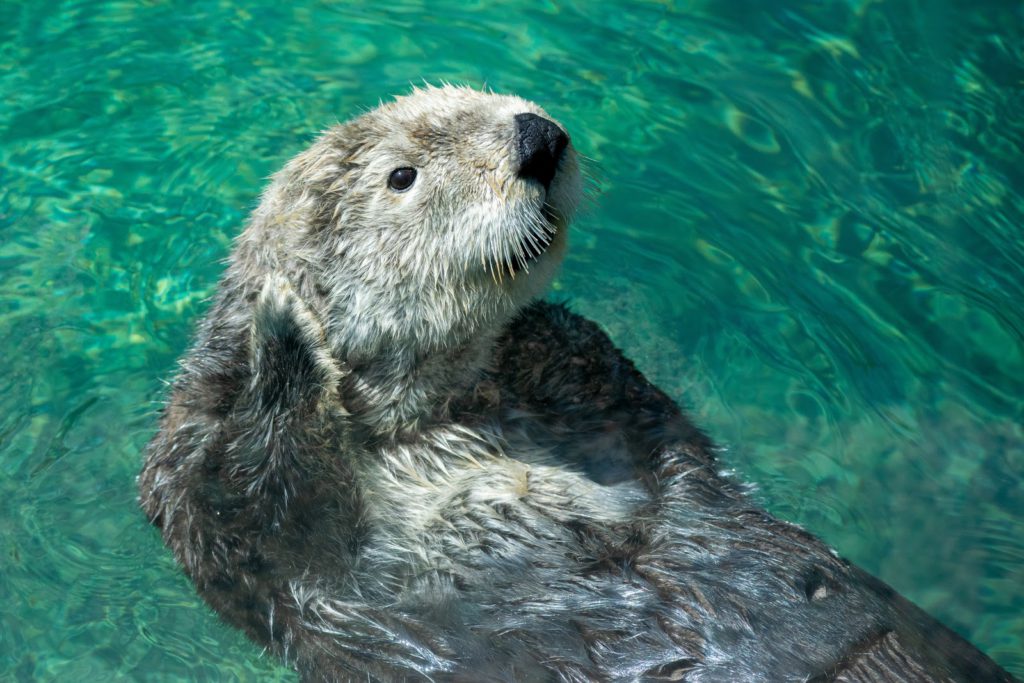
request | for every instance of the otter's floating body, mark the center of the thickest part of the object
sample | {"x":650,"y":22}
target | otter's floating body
{"x":383,"y":462}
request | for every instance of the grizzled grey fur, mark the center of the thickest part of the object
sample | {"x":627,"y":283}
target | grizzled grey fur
{"x":383,"y":462}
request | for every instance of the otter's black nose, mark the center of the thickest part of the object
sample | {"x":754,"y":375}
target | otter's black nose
{"x":540,"y":145}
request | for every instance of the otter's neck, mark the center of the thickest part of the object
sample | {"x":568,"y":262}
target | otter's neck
{"x":398,"y":392}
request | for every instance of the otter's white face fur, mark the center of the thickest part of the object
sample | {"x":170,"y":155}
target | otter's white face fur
{"x":416,"y":279}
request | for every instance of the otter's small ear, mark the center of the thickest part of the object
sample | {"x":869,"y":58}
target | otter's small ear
{"x":291,"y":363}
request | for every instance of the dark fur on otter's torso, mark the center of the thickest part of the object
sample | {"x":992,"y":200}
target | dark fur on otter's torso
{"x":271,"y":500}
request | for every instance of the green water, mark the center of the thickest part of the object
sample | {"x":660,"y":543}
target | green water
{"x":809,"y":230}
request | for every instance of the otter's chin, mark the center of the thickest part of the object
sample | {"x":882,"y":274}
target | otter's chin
{"x":531,"y":248}
{"x":526,"y":281}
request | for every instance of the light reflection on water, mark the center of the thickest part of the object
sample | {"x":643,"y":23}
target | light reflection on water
{"x":809,"y":231}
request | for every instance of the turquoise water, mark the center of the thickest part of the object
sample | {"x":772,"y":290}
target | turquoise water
{"x":809,"y":229}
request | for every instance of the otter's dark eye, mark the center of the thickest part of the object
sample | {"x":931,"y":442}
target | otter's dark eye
{"x":401,"y":178}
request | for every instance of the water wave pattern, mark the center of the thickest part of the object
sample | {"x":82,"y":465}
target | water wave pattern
{"x":808,"y":230}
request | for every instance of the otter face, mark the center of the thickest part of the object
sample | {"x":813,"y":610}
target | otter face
{"x":486,"y":185}
{"x":430,"y":219}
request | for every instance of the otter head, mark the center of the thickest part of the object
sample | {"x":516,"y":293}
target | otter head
{"x":416,"y":231}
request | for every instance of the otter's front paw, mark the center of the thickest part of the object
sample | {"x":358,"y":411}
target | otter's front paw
{"x":289,"y":357}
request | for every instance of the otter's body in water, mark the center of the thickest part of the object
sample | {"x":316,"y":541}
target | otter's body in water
{"x":383,"y":462}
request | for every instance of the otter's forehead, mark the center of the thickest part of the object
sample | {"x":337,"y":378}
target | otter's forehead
{"x":439,"y":118}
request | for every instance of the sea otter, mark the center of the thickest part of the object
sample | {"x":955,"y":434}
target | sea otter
{"x":384,"y":460}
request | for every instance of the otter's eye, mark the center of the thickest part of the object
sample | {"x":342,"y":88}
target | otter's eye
{"x":401,"y":178}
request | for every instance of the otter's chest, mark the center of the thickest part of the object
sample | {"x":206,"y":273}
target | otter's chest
{"x":463,"y":498}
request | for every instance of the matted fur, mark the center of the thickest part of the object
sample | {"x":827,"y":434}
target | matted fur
{"x":383,"y":462}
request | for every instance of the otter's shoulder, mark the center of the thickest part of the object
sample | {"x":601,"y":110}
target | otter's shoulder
{"x":549,"y":350}
{"x":560,"y":364}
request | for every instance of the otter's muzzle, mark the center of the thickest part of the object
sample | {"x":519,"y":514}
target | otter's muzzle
{"x":540,"y":144}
